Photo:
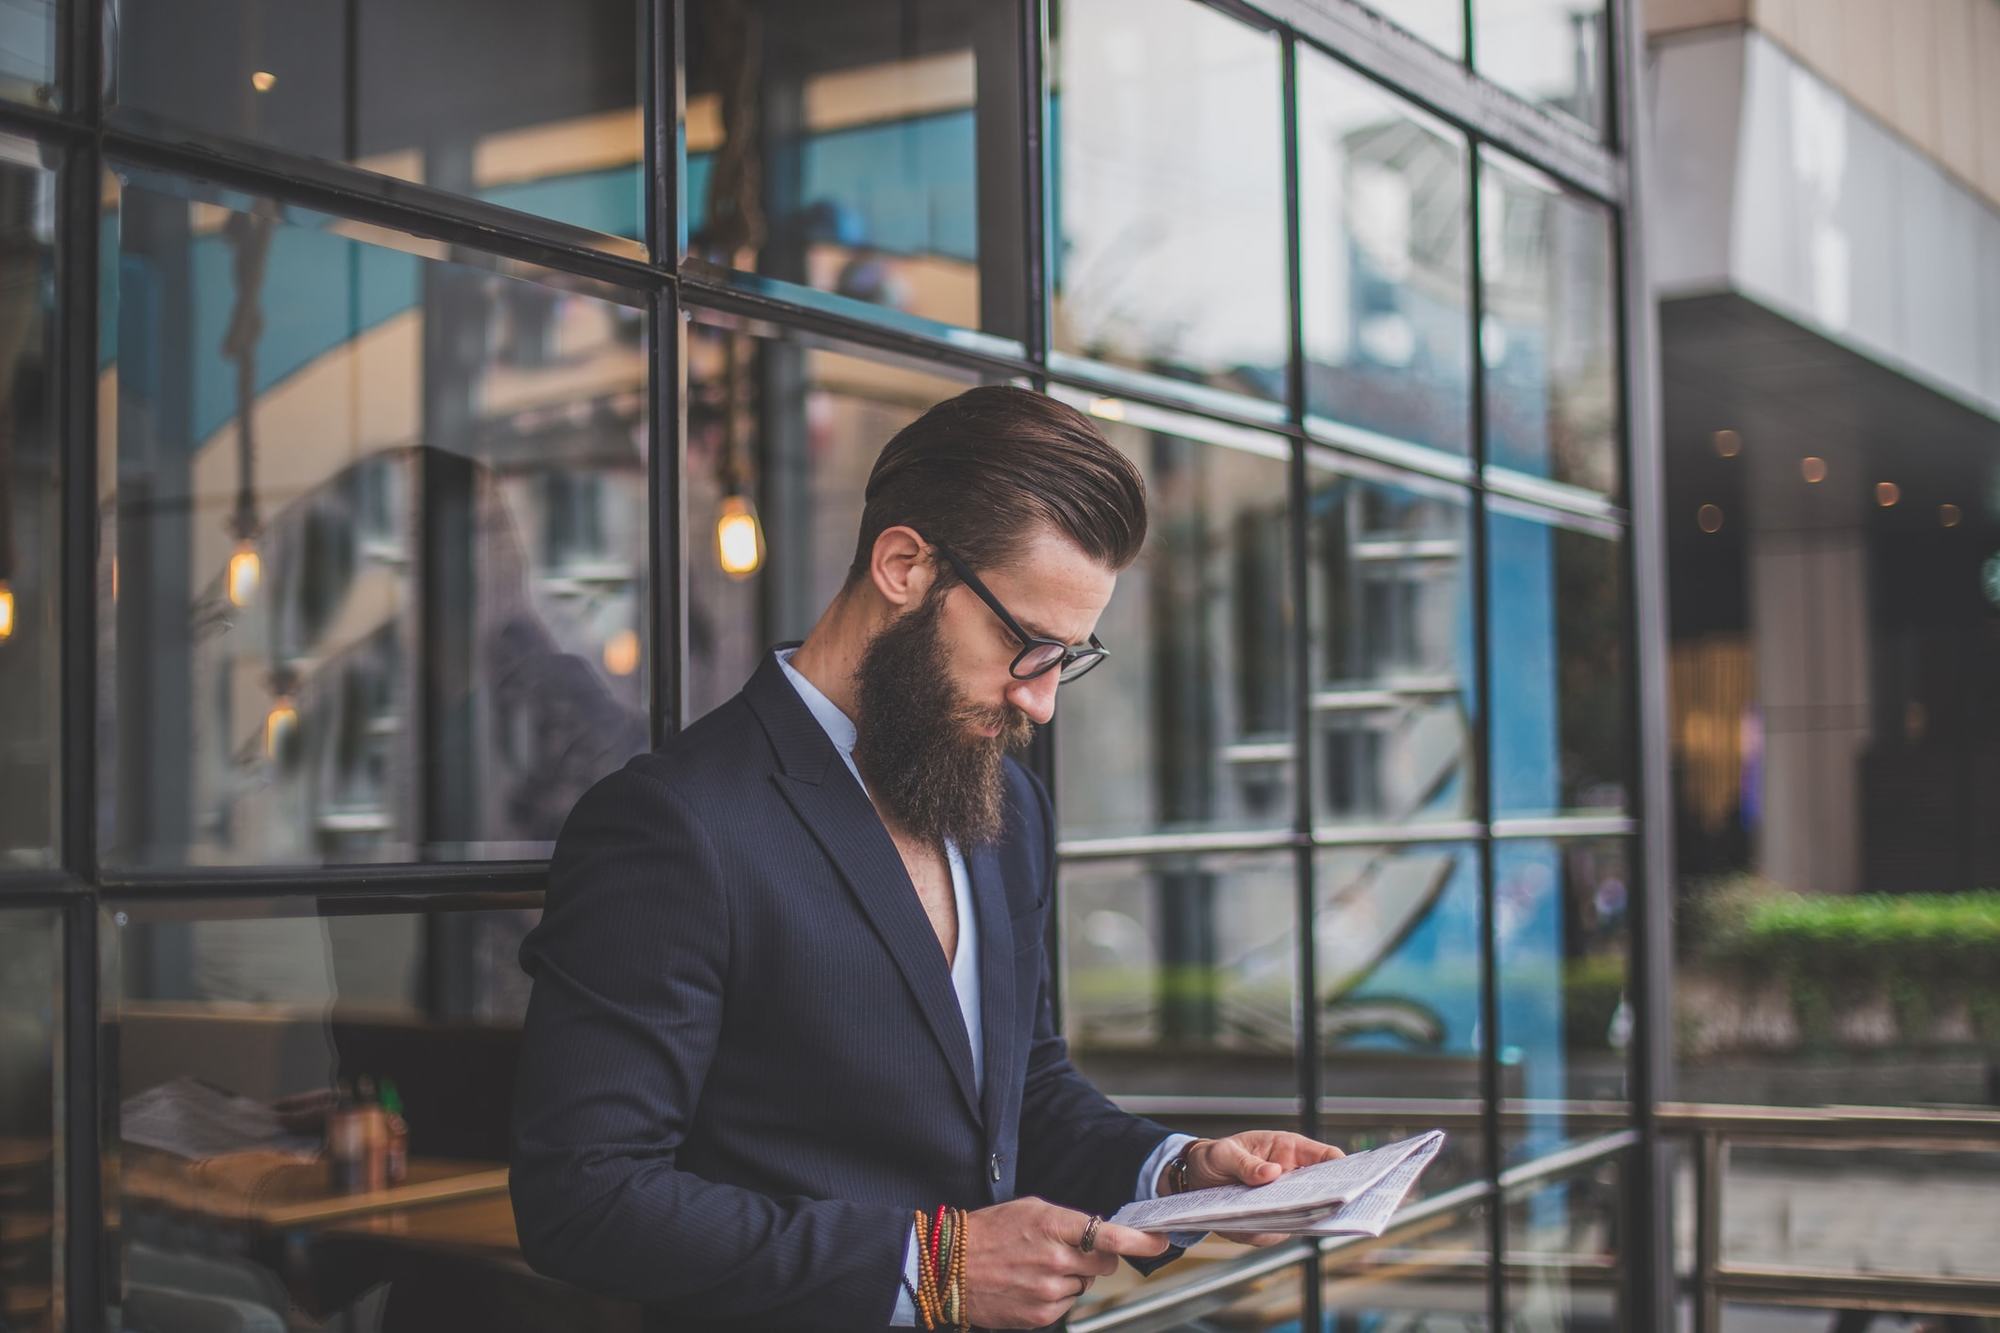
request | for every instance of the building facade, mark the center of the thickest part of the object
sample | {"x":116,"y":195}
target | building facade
{"x":414,"y":410}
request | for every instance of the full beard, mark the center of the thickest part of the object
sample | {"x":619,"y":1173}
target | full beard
{"x":919,"y":744}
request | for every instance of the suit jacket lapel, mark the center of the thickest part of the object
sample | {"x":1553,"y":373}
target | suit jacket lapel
{"x":837,"y":811}
{"x":996,"y":977}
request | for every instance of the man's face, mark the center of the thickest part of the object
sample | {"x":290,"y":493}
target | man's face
{"x":939,"y":706}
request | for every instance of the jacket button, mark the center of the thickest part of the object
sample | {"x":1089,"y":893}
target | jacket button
{"x":993,"y":1164}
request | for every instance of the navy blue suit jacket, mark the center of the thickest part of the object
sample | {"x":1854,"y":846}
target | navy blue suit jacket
{"x":744,"y":1064}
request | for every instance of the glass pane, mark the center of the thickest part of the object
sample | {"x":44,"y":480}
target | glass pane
{"x":787,"y":427}
{"x":1562,"y":912}
{"x":30,"y":1204}
{"x":1561,"y":694}
{"x":530,"y":106}
{"x":30,"y":507}
{"x":1396,"y":941}
{"x":1926,"y":1213}
{"x":1394,"y":690}
{"x":378,"y":555}
{"x":1272,"y":1300}
{"x":1188,"y":723}
{"x":290,"y":1211}
{"x":1430,"y":1276}
{"x":1563,"y":1250}
{"x":1552,"y":52}
{"x":1551,"y":329}
{"x":868,"y":149}
{"x":1179,"y":974}
{"x":28,"y":52}
{"x":1166,"y":121}
{"x":1385,"y":270}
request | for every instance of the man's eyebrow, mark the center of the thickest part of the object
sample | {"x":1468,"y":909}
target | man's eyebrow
{"x":1042,"y":633}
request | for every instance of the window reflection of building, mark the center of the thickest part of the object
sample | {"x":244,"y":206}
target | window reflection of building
{"x":446,"y":487}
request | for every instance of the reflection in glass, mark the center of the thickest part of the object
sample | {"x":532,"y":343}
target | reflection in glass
{"x":872,"y":150}
{"x":785,"y":429}
{"x":378,"y":554}
{"x":1927,"y":1213}
{"x":1550,"y":338}
{"x":30,"y":506}
{"x":1439,"y":22}
{"x":1188,"y":725}
{"x":1394,"y":691}
{"x":1396,"y":947}
{"x":531,"y":106}
{"x":258,"y":1053}
{"x":30,"y":1024}
{"x":1563,"y":1249}
{"x":1179,"y":976}
{"x":1561,"y":729}
{"x":1552,"y":52}
{"x":28,"y":30}
{"x":1165,"y":119}
{"x":1384,"y":261}
{"x":1271,"y":1300}
{"x":1563,"y":918}
{"x":1429,"y":1278}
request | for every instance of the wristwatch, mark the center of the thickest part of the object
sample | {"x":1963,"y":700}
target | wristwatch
{"x":1177,"y":1170}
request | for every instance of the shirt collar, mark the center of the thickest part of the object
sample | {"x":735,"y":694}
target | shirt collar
{"x":839,"y":727}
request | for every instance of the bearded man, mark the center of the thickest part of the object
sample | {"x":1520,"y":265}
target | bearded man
{"x":790,"y":996}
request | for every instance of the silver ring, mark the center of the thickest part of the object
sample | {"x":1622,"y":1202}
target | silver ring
{"x":1089,"y":1241}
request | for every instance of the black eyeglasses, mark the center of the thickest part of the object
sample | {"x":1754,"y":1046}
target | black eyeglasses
{"x":1038,"y":655}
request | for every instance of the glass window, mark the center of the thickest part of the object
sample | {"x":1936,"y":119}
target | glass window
{"x":1555,"y":53}
{"x":261,"y":1055}
{"x":1562,"y":724}
{"x":1179,"y":974}
{"x":1267,"y":1301}
{"x":782,"y":431}
{"x":1429,"y":1278}
{"x":530,"y":106}
{"x":30,"y":508}
{"x":1394,"y":690}
{"x":377,"y":561}
{"x":1562,"y":916}
{"x":1386,"y":282}
{"x":1551,"y":329}
{"x":1563,"y":1250}
{"x":1396,"y":952}
{"x":30,"y":1025}
{"x":28,"y":52}
{"x":873,"y":150}
{"x":1166,"y":122}
{"x":1188,"y":723}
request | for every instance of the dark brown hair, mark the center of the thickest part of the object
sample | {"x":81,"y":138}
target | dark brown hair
{"x":980,"y":472}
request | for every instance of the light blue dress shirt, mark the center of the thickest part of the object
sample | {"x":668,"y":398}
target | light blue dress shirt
{"x":840,"y":730}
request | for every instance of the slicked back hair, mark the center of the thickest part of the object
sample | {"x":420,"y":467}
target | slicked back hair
{"x":982,"y":472}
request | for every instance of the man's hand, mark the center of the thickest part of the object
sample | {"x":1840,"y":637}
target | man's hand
{"x":1255,"y":1157}
{"x":1023,"y":1268}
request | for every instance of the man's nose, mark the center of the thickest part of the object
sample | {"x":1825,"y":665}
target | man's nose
{"x":1037,"y":697}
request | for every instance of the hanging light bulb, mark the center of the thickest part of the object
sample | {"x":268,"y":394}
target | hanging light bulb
{"x":621,"y":653}
{"x":279,"y":724}
{"x":6,"y":610}
{"x":739,"y":538}
{"x":246,"y":570}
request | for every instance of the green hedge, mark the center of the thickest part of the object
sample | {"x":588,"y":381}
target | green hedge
{"x":1927,"y":949}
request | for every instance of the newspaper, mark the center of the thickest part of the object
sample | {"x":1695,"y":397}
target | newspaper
{"x":1349,"y":1196}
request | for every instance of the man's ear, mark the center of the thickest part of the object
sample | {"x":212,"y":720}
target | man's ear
{"x":899,"y":565}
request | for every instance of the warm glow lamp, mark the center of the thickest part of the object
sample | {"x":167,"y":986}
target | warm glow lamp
{"x":739,"y":538}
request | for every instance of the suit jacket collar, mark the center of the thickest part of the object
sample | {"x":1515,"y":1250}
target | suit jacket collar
{"x":833,"y":806}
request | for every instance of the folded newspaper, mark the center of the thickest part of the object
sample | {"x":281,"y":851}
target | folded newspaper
{"x":1349,"y":1196}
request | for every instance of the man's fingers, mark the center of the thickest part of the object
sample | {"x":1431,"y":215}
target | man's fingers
{"x":1114,"y":1239}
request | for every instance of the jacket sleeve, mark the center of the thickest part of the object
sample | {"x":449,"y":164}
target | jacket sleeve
{"x":629,"y":965}
{"x":1077,"y":1147}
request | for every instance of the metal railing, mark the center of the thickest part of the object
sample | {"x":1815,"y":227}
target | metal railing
{"x":1708,"y":1131}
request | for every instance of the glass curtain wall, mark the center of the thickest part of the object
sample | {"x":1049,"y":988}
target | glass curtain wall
{"x":409,"y":413}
